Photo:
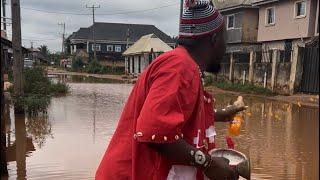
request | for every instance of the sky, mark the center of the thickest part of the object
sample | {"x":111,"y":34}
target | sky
{"x":40,"y":18}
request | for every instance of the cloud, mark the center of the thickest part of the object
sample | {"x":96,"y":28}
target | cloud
{"x":43,"y":27}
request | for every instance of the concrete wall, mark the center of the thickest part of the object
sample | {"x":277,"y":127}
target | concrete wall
{"x":259,"y":72}
{"x":283,"y":77}
{"x":238,"y":71}
{"x":223,"y":75}
{"x":286,"y":25}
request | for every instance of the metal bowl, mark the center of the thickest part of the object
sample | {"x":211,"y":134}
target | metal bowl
{"x":236,"y":159}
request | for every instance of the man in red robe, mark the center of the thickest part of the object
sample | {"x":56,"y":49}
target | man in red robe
{"x":167,"y":126}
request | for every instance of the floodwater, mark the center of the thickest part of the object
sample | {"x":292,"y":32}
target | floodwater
{"x":69,"y":141}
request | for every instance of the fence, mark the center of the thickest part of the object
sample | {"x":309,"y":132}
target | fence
{"x":268,"y":68}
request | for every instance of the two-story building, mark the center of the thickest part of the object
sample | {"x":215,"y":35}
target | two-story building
{"x":112,"y":39}
{"x":284,"y":24}
{"x":241,"y":21}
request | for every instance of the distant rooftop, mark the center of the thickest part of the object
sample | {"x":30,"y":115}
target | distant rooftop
{"x":146,"y":43}
{"x":119,"y":32}
{"x":231,"y":4}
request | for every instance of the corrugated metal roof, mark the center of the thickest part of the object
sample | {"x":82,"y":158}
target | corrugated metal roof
{"x":146,"y":43}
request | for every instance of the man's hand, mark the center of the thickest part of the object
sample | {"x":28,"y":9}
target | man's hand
{"x":227,"y":114}
{"x":220,"y":170}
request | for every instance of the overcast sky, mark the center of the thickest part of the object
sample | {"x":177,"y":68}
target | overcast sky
{"x":40,"y":18}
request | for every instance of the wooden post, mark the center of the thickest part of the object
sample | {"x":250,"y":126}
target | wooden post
{"x":17,"y":51}
{"x":253,"y":58}
{"x":3,"y":159}
{"x":275,"y":59}
{"x":231,"y":73}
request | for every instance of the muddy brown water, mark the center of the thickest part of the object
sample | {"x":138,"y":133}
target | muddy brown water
{"x":68,"y":142}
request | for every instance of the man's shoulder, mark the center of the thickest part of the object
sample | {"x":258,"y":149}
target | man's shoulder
{"x":177,"y":59}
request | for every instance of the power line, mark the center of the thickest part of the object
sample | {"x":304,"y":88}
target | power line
{"x":31,"y":37}
{"x":119,"y":12}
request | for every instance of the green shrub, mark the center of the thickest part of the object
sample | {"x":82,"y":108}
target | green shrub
{"x":95,"y":67}
{"x":77,"y":64}
{"x":36,"y":81}
{"x":208,"y":79}
{"x":59,"y":88}
{"x":37,"y":91}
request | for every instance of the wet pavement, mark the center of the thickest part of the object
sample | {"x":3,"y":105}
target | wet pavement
{"x":69,"y":141}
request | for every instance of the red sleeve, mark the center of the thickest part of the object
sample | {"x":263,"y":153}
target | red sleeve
{"x":169,"y":104}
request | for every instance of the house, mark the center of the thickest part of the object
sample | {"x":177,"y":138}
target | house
{"x":36,"y":56}
{"x":112,"y":39}
{"x":141,"y":53}
{"x":6,"y":52}
{"x":286,"y":24}
{"x":241,"y":21}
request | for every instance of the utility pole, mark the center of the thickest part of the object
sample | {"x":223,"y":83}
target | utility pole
{"x":181,"y":8}
{"x":181,"y":11}
{"x":3,"y":159}
{"x":4,"y":3}
{"x":93,"y":7}
{"x":32,"y":52}
{"x":63,"y":35}
{"x":17,"y":52}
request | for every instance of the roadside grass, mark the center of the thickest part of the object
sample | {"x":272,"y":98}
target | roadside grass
{"x":238,"y":87}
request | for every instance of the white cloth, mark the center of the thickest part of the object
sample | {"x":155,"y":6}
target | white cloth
{"x":180,"y":172}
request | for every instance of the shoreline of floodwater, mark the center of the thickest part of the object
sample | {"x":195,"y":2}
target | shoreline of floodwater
{"x":298,"y":99}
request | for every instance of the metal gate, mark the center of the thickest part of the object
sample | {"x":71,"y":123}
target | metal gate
{"x":310,"y":75}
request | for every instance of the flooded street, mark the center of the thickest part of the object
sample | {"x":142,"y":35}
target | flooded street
{"x":69,"y":141}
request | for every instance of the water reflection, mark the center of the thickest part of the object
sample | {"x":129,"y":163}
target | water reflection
{"x":39,"y":128}
{"x":22,"y":136}
{"x":280,"y":138}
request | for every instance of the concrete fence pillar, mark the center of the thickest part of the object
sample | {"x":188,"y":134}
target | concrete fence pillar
{"x":231,"y":72}
{"x":253,"y":58}
{"x":275,"y":59}
{"x":296,"y":70}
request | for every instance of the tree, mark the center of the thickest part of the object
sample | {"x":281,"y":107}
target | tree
{"x":44,"y":50}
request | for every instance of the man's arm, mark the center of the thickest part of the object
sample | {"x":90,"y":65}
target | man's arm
{"x":227,"y":114}
{"x":180,"y":152}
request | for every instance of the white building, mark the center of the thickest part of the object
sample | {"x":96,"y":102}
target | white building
{"x":141,"y":53}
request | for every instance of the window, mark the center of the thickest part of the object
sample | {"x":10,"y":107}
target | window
{"x":117,"y":48}
{"x":300,"y":9}
{"x":109,"y":48}
{"x":270,"y":16}
{"x":230,"y":22}
{"x":98,"y":47}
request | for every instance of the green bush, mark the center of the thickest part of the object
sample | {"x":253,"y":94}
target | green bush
{"x":59,"y":88}
{"x":36,"y":81}
{"x":77,"y":64}
{"x":33,"y":103}
{"x":208,"y":79}
{"x":37,"y":91}
{"x":95,"y":67}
